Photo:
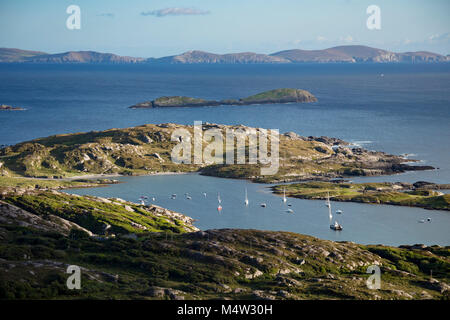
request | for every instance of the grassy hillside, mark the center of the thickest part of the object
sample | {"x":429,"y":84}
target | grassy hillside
{"x":102,"y":216}
{"x":284,"y":94}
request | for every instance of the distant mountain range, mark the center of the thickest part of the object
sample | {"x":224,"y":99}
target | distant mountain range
{"x":340,"y":54}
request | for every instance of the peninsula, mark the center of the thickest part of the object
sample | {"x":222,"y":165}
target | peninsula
{"x":284,"y":95}
{"x":420,"y":194}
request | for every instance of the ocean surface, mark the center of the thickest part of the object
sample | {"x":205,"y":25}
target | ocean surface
{"x":396,"y":108}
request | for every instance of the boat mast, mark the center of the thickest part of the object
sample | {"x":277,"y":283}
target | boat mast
{"x":329,"y":213}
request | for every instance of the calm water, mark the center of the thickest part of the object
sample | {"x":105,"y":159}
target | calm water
{"x":405,"y":111}
{"x":369,"y":224}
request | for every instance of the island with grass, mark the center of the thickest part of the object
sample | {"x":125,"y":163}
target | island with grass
{"x":147,"y":149}
{"x":420,"y":194}
{"x":284,"y":95}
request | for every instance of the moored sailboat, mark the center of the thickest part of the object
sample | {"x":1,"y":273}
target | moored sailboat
{"x":219,"y":207}
{"x":327,"y":202}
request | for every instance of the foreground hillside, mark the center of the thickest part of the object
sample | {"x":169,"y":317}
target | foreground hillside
{"x":147,"y":149}
{"x":41,"y":235}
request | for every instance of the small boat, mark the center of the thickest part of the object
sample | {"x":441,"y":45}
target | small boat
{"x":204,"y":194}
{"x":188,"y":197}
{"x":219,"y":207}
{"x":153,"y":199}
{"x":246,"y":197}
{"x":429,"y":219}
{"x":338,"y":211}
{"x":174,"y":196}
{"x":142,"y":202}
{"x":263,"y":205}
{"x":284,"y":195}
{"x":290,"y":211}
{"x":336,"y":226}
{"x":289,"y":205}
{"x":421,"y":221}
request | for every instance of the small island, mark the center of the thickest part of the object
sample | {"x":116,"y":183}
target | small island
{"x":6,"y":107}
{"x":420,"y":194}
{"x":284,"y":95}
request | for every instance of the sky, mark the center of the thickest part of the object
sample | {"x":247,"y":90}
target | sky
{"x":155,"y":28}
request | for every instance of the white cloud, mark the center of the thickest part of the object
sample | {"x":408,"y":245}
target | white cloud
{"x":174,"y":12}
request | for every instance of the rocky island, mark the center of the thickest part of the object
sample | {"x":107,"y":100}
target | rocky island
{"x":146,"y":150}
{"x":10,"y":108}
{"x":284,"y":95}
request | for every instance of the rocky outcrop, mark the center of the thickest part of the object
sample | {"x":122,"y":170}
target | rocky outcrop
{"x":13,"y":215}
{"x":6,"y":107}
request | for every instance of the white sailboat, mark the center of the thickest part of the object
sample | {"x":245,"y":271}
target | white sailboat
{"x":330,"y":215}
{"x":327,"y":202}
{"x":219,"y":207}
{"x":246,"y":197}
{"x":336,"y":226}
{"x":284,"y":195}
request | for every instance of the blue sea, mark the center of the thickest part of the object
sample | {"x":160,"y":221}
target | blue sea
{"x":396,"y":108}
